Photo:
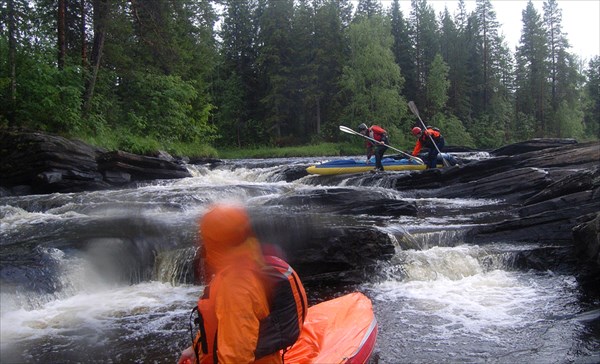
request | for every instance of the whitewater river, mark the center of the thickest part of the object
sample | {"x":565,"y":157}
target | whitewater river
{"x":106,"y":276}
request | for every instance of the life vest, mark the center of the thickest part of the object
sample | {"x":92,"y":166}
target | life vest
{"x":434,"y":132}
{"x":377,"y":132}
{"x":425,"y":141}
{"x":278,"y":331}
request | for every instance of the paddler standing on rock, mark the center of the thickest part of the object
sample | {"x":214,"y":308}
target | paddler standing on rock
{"x":380,"y":136}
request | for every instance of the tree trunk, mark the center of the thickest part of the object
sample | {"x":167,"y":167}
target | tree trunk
{"x":12,"y":68}
{"x":100,"y":14}
{"x":83,"y":37}
{"x":318,"y":115}
{"x":62,"y":45}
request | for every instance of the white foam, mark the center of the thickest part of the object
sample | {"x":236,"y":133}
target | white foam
{"x":96,"y":311}
{"x":479,"y":304}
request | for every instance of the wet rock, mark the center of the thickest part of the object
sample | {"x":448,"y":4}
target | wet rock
{"x":510,"y":185}
{"x":550,"y":215}
{"x":587,"y":239}
{"x":531,"y":145}
{"x":550,"y":185}
{"x":141,"y":168}
{"x":550,"y":223}
{"x":33,"y":162}
{"x":576,"y":180}
{"x":48,"y":163}
{"x":347,"y":201}
{"x":568,"y":158}
{"x":324,"y":248}
{"x":292,"y":173}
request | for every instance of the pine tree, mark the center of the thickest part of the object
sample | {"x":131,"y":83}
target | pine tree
{"x":330,"y":54}
{"x":425,"y":41}
{"x":304,"y":89}
{"x":564,"y":76}
{"x":592,"y":92}
{"x":236,"y":94}
{"x":368,"y":9}
{"x":490,"y":50}
{"x":100,"y":20}
{"x":458,"y":58}
{"x":275,"y":59}
{"x":403,"y":50}
{"x":454,"y":52}
{"x":531,"y":81}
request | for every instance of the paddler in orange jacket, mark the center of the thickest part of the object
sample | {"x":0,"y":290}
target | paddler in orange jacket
{"x":424,"y":140}
{"x":237,"y":299}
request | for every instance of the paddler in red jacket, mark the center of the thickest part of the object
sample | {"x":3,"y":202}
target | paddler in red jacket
{"x":236,"y":300}
{"x":424,"y":140}
{"x":380,"y":135}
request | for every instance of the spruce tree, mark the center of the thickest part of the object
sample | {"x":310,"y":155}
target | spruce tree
{"x":531,"y":75}
{"x":403,"y":50}
{"x":425,"y":41}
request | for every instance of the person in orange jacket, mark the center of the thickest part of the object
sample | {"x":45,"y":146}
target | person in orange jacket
{"x":237,"y":300}
{"x":424,"y":140}
{"x":378,"y":147}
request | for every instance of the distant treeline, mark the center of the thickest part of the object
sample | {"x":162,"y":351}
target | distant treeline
{"x":288,"y":72}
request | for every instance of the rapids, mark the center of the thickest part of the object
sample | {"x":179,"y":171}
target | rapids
{"x":107,"y":276}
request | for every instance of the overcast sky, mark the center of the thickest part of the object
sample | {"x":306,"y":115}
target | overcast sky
{"x":580,"y":20}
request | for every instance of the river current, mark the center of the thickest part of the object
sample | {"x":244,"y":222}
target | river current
{"x":106,"y":277}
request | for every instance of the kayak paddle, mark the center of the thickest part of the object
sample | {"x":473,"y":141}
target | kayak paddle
{"x":346,"y":129}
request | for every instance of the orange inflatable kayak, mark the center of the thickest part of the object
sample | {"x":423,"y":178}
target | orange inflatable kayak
{"x":341,"y":330}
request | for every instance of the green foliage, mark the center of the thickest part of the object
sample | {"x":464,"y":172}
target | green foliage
{"x":425,"y":42}
{"x":524,"y":127}
{"x":313,"y":150}
{"x":371,"y":80}
{"x":532,"y":72}
{"x":437,"y":86}
{"x":488,"y":131}
{"x":453,"y":130}
{"x":403,"y":50}
{"x":592,"y":97}
{"x":161,"y":107}
{"x":122,"y":139}
{"x":568,"y":121}
{"x":50,"y":99}
{"x":191,"y":150}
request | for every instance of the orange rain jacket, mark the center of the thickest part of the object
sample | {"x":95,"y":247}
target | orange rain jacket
{"x":424,"y":140}
{"x":235,"y":304}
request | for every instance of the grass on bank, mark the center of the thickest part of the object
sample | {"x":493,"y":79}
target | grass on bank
{"x":113,"y":140}
{"x":313,"y":150}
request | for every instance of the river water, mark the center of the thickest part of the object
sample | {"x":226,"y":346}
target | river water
{"x":107,"y":276}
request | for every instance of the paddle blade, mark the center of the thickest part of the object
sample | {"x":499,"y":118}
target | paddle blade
{"x":346,"y":129}
{"x":413,"y":108}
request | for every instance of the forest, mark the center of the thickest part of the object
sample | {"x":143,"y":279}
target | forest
{"x":193,"y":74}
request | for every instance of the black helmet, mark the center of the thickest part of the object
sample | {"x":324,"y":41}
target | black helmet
{"x":362,"y":127}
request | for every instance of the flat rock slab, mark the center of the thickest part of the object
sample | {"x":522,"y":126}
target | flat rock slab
{"x":33,"y":162}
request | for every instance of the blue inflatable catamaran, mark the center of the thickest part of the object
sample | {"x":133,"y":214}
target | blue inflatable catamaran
{"x":345,"y":166}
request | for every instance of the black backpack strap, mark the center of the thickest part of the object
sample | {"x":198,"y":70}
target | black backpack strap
{"x":215,"y":356}
{"x":198,"y":322}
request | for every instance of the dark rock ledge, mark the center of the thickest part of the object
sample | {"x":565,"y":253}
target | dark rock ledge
{"x":34,"y":163}
{"x":552,"y":186}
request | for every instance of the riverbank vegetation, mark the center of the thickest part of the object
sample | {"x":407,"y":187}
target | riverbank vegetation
{"x":312,"y":150}
{"x":264,"y":77}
